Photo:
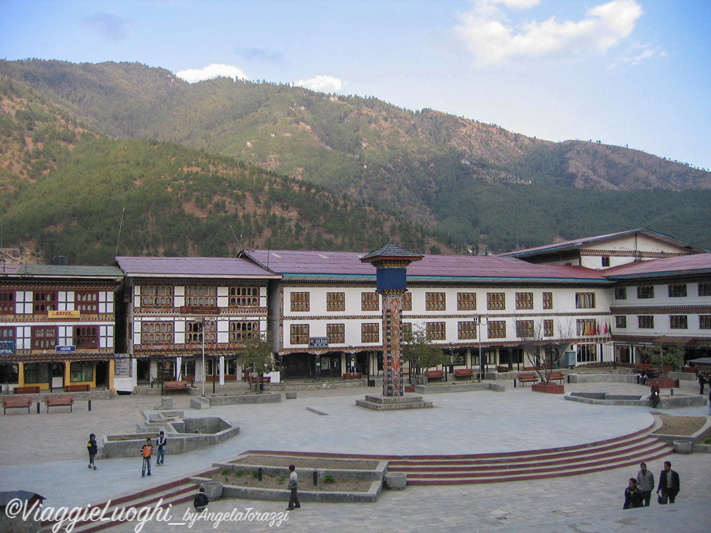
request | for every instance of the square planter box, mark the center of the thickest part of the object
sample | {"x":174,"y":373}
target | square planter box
{"x":550,"y":388}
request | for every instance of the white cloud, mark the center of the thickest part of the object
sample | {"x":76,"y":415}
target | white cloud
{"x":326,"y":84}
{"x":215,"y":70}
{"x":491,"y":37}
{"x":637,"y":53}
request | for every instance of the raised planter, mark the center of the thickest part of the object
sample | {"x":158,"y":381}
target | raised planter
{"x":291,"y":395}
{"x":396,"y":480}
{"x":549,"y":388}
{"x":683,"y":446}
{"x":213,"y":489}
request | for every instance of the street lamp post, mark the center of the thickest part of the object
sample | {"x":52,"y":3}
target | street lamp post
{"x":204,"y":370}
{"x":479,"y":319}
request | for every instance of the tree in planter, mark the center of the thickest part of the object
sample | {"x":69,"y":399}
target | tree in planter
{"x":257,"y":355}
{"x":662,"y":358}
{"x":420,"y":353}
{"x":542,"y":345}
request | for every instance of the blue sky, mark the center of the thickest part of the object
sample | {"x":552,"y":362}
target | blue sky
{"x":626,"y":72}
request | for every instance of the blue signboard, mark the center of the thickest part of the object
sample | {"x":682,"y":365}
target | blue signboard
{"x":318,"y":342}
{"x":7,"y":347}
{"x":65,"y":349}
{"x":391,"y":278}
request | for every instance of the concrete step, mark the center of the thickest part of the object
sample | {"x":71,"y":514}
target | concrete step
{"x":117,"y":511}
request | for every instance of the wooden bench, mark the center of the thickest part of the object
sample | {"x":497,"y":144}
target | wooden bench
{"x":77,"y":388}
{"x":175,"y":386}
{"x":502,"y":368}
{"x":527,"y":378}
{"x":463,"y":373}
{"x":352,"y":375}
{"x":66,"y":400}
{"x":16,"y":401}
{"x":265,"y":379}
{"x":556,"y":375}
{"x":434,"y":374}
{"x":27,"y":389}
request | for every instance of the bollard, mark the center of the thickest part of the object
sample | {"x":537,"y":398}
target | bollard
{"x":89,"y":405}
{"x":514,"y":383}
{"x":672,"y":392}
{"x":315,"y":478}
{"x":38,"y":408}
{"x":259,"y":473}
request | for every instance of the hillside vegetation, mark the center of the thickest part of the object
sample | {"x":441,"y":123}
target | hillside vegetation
{"x":67,"y":191}
{"x":476,"y":186}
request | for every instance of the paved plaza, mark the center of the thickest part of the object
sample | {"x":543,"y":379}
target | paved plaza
{"x":46,"y":453}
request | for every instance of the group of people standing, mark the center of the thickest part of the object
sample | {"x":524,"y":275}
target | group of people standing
{"x":639,"y":490}
{"x":146,"y":452}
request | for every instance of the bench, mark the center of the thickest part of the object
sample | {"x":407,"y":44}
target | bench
{"x":27,"y":389}
{"x":463,"y":373}
{"x":556,"y":375}
{"x":527,"y":378}
{"x":77,"y":388}
{"x":265,"y":379}
{"x":352,"y":375}
{"x":175,"y":386}
{"x":434,"y":374}
{"x":59,"y":400}
{"x":502,"y":369}
{"x":16,"y":401}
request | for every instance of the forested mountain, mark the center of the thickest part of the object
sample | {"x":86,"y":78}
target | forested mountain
{"x":68,"y":191}
{"x":475,"y":185}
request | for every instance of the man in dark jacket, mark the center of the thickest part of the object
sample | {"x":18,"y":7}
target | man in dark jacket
{"x":668,"y":483}
{"x":93,"y":448}
{"x":633,"y":496}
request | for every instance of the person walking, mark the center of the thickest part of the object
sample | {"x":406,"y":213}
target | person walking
{"x":93,"y":448}
{"x":654,"y":394}
{"x":633,"y":497}
{"x":293,"y":484}
{"x":161,"y":442}
{"x":702,"y":382}
{"x":645,"y":483}
{"x":669,"y":484}
{"x":146,"y":453}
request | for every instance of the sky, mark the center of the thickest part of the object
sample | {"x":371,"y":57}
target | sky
{"x":633,"y":73}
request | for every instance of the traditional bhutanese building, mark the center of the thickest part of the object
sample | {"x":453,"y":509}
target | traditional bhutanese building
{"x":188,"y":317}
{"x":57,"y":325}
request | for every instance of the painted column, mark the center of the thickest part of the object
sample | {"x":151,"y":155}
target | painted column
{"x":391,"y":263}
{"x":392,"y":349}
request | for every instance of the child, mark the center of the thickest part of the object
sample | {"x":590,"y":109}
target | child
{"x":161,"y":449}
{"x":293,"y":484}
{"x":146,"y":453}
{"x":92,"y":448}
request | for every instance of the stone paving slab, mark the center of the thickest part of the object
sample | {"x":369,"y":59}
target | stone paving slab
{"x":47,"y":453}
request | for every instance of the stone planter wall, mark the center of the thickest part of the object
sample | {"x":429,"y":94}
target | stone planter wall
{"x":549,"y":388}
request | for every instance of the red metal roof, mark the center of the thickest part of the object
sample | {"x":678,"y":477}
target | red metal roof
{"x":672,"y":265}
{"x":294,"y":262}
{"x":192,"y":267}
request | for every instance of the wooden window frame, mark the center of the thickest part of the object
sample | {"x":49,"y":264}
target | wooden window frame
{"x":547,"y":300}
{"x":677,"y":290}
{"x":620,"y":293}
{"x":201,"y":296}
{"x":621,"y":322}
{"x":370,"y":332}
{"x":299,"y":334}
{"x":496,"y":329}
{"x":645,"y":292}
{"x":466,"y":301}
{"x":86,"y":337}
{"x":678,"y":322}
{"x":704,"y":288}
{"x":336,"y":333}
{"x":585,"y":300}
{"x":7,"y":302}
{"x":241,"y":331}
{"x":195,"y":329}
{"x":44,"y":337}
{"x":157,"y":296}
{"x":524,"y":300}
{"x":645,"y":321}
{"x":300,"y":302}
{"x":435,"y":301}
{"x":335,"y":301}
{"x":466,"y":330}
{"x":496,"y":301}
{"x":42,"y":306}
{"x":525,"y":329}
{"x":156,"y":333}
{"x":244,"y":296}
{"x":548,"y":328}
{"x":436,"y":331}
{"x":369,"y":301}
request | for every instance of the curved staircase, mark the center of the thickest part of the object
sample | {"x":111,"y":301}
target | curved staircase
{"x":626,"y":450}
